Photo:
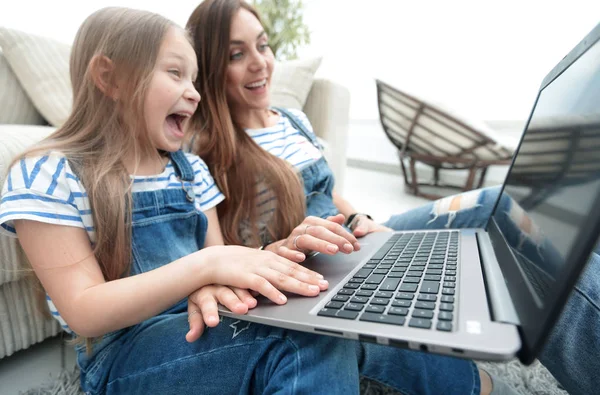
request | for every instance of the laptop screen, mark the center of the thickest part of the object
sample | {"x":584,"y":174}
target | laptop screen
{"x":554,"y":186}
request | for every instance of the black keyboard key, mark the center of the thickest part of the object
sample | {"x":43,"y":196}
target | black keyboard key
{"x":364,"y":293}
{"x":434,"y":272}
{"x":427,"y":297}
{"x":450,"y":278}
{"x":334,"y":305}
{"x":432,"y":277}
{"x":450,"y":272}
{"x":349,"y":315}
{"x":356,"y":280}
{"x":446,"y":306}
{"x":369,"y":266}
{"x":380,"y":301}
{"x":340,"y":298}
{"x":359,"y":299}
{"x":346,"y":292}
{"x":354,"y":306}
{"x":448,"y":291}
{"x":414,"y":273}
{"x":445,"y":316}
{"x":362,"y":273}
{"x":369,"y":287}
{"x":375,"y":309}
{"x":396,"y":275}
{"x":413,"y":280}
{"x":384,"y":294}
{"x":380,"y":271}
{"x":383,"y":250}
{"x":445,"y":326}
{"x":398,"y":311}
{"x":351,"y":286}
{"x":404,"y":295}
{"x":420,"y":323}
{"x":385,"y":319}
{"x":406,"y":287}
{"x":418,"y":313}
{"x":425,"y":305}
{"x":447,"y":299}
{"x":375,"y":279}
{"x":390,"y":284}
{"x":430,"y":287}
{"x":401,"y":303}
{"x":449,"y":285}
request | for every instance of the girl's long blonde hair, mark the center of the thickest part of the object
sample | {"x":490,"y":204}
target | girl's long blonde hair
{"x":107,"y":125}
{"x":235,"y":160}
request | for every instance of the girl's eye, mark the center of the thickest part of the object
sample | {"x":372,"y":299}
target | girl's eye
{"x":175,"y":72}
{"x":235,"y":56}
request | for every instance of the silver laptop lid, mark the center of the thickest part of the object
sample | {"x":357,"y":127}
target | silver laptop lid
{"x":543,"y":243}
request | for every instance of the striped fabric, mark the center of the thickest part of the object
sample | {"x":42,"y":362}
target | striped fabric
{"x":285,"y":142}
{"x":45,"y":189}
{"x":42,"y":67}
{"x":15,"y":106}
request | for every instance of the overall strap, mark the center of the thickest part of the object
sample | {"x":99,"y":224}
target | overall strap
{"x":299,"y":126}
{"x":182,"y":166}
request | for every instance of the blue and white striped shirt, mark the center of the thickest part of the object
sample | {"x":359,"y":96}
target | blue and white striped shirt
{"x":45,"y":189}
{"x":285,"y":142}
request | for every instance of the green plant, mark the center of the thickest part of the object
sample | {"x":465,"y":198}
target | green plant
{"x":283,"y":23}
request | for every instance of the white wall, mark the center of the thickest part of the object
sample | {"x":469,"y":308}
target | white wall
{"x":480,"y":57}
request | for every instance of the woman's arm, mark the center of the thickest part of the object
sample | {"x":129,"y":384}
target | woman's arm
{"x":362,"y":225}
{"x":63,"y":260}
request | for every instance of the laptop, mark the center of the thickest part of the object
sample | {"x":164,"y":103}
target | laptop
{"x":491,"y":293}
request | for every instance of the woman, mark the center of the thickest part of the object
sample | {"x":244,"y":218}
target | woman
{"x":254,"y":154}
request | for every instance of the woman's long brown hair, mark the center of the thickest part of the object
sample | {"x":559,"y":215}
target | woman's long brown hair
{"x":237,"y":163}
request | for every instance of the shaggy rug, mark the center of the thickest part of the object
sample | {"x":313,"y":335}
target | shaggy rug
{"x":527,"y":380}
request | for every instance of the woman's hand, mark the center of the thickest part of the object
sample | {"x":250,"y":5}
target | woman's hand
{"x":326,"y":236}
{"x":363,"y":226}
{"x":203,"y":307}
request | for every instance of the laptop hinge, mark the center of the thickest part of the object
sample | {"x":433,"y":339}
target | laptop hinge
{"x":503,"y":309}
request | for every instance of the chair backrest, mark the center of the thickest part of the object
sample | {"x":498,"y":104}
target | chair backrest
{"x":415,"y":126}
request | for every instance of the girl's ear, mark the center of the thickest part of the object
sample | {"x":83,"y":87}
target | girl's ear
{"x":102,"y":73}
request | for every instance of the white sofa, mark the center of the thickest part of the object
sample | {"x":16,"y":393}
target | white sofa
{"x":24,"y":119}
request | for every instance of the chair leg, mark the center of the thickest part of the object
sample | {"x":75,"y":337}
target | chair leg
{"x":482,"y":177}
{"x":470,"y":178}
{"x":436,"y":176}
{"x":403,"y":167}
{"x":413,"y":174}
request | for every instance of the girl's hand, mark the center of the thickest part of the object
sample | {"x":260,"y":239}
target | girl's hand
{"x":326,"y":236}
{"x":364,"y":226}
{"x":260,"y":271}
{"x":203,"y":309}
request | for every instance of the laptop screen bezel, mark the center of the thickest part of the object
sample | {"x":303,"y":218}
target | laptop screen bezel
{"x":537,"y":323}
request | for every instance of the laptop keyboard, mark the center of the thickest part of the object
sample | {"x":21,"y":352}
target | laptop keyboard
{"x":410,"y":281}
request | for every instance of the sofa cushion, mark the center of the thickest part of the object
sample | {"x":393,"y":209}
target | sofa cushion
{"x":42,"y":67}
{"x":15,"y":106}
{"x":291,"y":82}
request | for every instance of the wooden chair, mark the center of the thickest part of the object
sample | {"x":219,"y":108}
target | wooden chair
{"x":422,"y":132}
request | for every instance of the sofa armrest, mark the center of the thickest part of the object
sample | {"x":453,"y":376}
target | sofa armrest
{"x":328,"y":109}
{"x":14,"y":139}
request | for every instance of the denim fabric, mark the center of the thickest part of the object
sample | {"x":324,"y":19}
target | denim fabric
{"x":238,"y":357}
{"x":318,"y":189}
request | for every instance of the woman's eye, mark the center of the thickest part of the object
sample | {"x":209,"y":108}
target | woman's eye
{"x":175,"y":72}
{"x":235,"y":56}
{"x":263,"y":47}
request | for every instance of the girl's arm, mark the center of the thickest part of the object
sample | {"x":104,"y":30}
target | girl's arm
{"x":62,"y":259}
{"x":214,"y":237}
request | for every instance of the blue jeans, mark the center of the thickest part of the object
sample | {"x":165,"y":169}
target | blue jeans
{"x":572,"y":351}
{"x":153,"y":356}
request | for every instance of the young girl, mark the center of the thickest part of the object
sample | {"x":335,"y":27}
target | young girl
{"x":113,"y":218}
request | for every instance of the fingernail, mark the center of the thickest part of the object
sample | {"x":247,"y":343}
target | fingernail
{"x":317,"y":275}
{"x":282,"y":298}
{"x":313,"y":288}
{"x":332,"y":248}
{"x":348,"y":247}
{"x":324,"y":282}
{"x":299,"y":256}
{"x":357,"y":246}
